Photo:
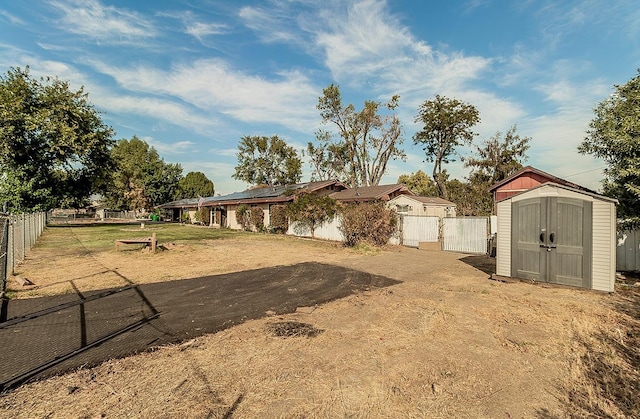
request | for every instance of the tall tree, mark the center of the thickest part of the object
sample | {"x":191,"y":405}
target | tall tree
{"x":419,"y":183}
{"x":142,"y":180}
{"x":497,"y":158}
{"x":367,"y":139}
{"x":500,"y":156}
{"x":446,"y":124}
{"x":193,"y":185}
{"x":614,"y":136}
{"x":54,"y":148}
{"x":267,"y":160}
{"x":327,"y":159}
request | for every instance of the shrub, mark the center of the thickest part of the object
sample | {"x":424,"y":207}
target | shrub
{"x":257,"y":218}
{"x":312,"y":210}
{"x":279,"y":219}
{"x":370,"y":222}
{"x":243,"y":216}
{"x":202,"y":216}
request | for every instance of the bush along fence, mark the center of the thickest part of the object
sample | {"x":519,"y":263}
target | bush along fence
{"x":461,"y":234}
{"x":19,"y":235}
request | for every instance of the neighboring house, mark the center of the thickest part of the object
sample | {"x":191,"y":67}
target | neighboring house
{"x":222,"y":209}
{"x":422,"y":205}
{"x":371,"y":193}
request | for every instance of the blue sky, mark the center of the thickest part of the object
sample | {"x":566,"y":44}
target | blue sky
{"x":192,"y":77}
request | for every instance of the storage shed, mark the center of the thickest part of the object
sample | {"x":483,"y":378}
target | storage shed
{"x":558,"y":234}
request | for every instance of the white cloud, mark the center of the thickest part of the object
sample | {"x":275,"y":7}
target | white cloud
{"x":169,"y":149}
{"x":11,"y":18}
{"x":159,"y":109}
{"x":200,"y":29}
{"x":107,"y":24}
{"x":213,"y":86}
{"x":272,"y":24}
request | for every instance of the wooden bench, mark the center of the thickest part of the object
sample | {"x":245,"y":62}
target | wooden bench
{"x":147,"y":241}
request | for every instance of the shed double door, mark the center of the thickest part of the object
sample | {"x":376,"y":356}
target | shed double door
{"x":551,"y":240}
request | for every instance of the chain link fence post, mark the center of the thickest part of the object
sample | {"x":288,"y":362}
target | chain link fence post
{"x":4,"y":253}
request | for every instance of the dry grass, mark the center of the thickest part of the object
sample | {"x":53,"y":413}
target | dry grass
{"x":446,"y":342}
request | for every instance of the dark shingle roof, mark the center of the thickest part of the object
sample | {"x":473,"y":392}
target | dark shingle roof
{"x":432,"y":200}
{"x":282,"y":193}
{"x":367,"y":193}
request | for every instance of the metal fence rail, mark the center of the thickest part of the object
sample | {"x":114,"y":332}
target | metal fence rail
{"x":19,"y":235}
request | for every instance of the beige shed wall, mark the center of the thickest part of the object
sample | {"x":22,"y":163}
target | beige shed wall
{"x":604,"y":246}
{"x":503,"y":239}
{"x":603,"y":260}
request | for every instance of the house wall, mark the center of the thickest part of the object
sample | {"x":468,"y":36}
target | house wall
{"x":420,"y":208}
{"x":603,"y":244}
{"x":233,"y":224}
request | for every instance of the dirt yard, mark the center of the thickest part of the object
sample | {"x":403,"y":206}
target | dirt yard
{"x":444,"y":342}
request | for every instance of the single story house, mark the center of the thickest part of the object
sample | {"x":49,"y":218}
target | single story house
{"x":221,"y":210}
{"x":423,"y":205}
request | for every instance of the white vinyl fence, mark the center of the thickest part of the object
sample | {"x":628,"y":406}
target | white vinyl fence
{"x":415,"y":229}
{"x":327,"y":231}
{"x":465,"y":234}
{"x":628,"y":250}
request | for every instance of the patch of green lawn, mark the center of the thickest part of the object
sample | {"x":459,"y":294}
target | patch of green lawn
{"x":97,"y":237}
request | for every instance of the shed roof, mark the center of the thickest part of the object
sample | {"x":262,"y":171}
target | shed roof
{"x":583,"y":191}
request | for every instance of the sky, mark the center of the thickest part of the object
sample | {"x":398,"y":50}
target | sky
{"x":191,"y":78}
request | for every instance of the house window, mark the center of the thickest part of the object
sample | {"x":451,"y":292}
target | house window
{"x":403,"y":209}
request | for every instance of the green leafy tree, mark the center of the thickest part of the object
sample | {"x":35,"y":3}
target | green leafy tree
{"x":500,"y":156}
{"x":327,"y":159}
{"x":311,"y":210}
{"x":497,"y":158}
{"x":367,"y":140}
{"x":54,"y":148}
{"x":193,"y":185}
{"x":142,"y":180}
{"x":267,"y":160}
{"x":447,"y":124}
{"x":614,"y":136}
{"x":419,"y":183}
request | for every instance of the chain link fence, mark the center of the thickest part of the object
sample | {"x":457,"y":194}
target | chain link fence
{"x":19,"y":235}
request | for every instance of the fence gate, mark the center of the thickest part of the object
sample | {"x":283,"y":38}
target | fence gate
{"x":416,"y":229}
{"x":467,"y":235}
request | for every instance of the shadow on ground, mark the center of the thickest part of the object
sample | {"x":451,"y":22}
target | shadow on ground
{"x":483,"y":263}
{"x":51,"y":335}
